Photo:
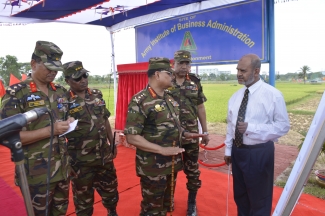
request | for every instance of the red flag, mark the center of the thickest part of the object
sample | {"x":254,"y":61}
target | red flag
{"x":2,"y":89}
{"x":13,"y":80}
{"x":23,"y":77}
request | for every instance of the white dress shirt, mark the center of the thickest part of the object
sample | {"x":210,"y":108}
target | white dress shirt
{"x":266,"y":115}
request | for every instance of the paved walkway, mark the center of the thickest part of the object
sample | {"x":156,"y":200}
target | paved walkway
{"x":284,"y":155}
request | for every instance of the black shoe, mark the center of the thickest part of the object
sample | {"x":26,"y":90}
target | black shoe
{"x":191,"y":210}
{"x":112,"y":212}
{"x":191,"y":204}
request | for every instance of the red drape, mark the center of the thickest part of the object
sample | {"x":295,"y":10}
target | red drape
{"x":128,"y":85}
{"x":2,"y":89}
{"x":132,"y":79}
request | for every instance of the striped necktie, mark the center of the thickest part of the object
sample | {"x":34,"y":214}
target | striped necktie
{"x":241,"y":118}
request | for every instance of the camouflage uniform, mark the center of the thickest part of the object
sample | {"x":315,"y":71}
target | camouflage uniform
{"x":91,"y":156}
{"x":189,"y":95}
{"x":153,"y":117}
{"x":23,"y":97}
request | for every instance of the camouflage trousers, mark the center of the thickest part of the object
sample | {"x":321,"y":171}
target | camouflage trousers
{"x":93,"y":176}
{"x":58,"y":198}
{"x":191,"y":166}
{"x":156,"y":194}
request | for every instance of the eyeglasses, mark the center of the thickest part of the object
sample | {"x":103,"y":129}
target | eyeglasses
{"x":83,"y":76}
{"x":168,"y":72}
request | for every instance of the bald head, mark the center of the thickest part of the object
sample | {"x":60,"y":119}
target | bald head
{"x":254,"y":59}
{"x":248,"y":69}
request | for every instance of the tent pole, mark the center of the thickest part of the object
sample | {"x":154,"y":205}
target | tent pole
{"x":114,"y":72}
{"x":270,"y":7}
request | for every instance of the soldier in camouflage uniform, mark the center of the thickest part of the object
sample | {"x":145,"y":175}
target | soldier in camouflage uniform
{"x":35,"y":92}
{"x":187,"y":91}
{"x":153,"y":126}
{"x":91,"y":156}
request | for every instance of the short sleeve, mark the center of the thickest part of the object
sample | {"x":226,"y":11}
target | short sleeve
{"x":201,"y":96}
{"x":135,"y":119}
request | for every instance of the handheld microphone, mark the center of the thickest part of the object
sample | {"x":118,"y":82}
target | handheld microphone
{"x":15,"y":123}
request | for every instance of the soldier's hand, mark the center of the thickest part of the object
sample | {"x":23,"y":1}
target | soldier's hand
{"x":205,"y":140}
{"x":61,"y":127}
{"x":189,"y":135}
{"x":70,"y":119}
{"x":169,"y":151}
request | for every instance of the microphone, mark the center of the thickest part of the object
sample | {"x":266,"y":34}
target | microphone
{"x":15,"y":123}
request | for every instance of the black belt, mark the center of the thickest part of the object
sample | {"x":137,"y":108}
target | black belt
{"x":251,"y":146}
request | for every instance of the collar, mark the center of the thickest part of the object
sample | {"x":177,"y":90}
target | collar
{"x":255,"y":86}
{"x":73,"y":95}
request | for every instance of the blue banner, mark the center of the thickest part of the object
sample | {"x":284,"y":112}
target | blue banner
{"x":215,"y":36}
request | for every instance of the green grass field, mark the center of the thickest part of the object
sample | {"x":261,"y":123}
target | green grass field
{"x":219,"y":94}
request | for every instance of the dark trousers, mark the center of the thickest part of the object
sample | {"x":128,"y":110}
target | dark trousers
{"x":253,"y":173}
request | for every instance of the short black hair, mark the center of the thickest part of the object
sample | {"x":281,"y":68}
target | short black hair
{"x":36,"y":58}
{"x":151,"y":72}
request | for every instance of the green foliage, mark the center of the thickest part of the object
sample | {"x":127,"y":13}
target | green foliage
{"x":10,"y":65}
{"x":219,"y":94}
{"x":303,"y":72}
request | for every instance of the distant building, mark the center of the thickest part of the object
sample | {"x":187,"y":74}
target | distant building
{"x":210,"y":71}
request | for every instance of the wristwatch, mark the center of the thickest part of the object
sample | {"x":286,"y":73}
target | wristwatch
{"x":207,"y":133}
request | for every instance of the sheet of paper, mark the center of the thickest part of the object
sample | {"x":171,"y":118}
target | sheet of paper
{"x":72,"y":126}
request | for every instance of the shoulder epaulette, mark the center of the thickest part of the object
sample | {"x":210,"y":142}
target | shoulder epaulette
{"x":60,"y":86}
{"x":140,"y":96}
{"x":13,"y":89}
{"x":194,"y":77}
{"x":96,"y":91}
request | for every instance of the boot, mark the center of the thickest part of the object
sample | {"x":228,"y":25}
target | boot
{"x":191,"y":204}
{"x":112,"y":212}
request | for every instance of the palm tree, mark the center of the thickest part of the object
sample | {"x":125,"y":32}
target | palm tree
{"x":303,"y":72}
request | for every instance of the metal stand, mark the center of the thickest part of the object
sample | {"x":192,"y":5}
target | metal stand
{"x":17,"y":156}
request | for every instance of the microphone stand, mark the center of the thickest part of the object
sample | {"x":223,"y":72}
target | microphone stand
{"x":17,"y":156}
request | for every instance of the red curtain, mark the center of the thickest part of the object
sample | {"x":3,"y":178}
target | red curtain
{"x":129,"y":84}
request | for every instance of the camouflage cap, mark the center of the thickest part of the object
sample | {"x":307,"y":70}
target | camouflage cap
{"x":160,"y":63}
{"x":74,"y":69}
{"x":50,"y":55}
{"x":182,"y":55}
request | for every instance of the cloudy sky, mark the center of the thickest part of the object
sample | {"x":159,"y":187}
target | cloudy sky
{"x":299,"y":27}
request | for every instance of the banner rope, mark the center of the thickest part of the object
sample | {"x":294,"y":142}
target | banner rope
{"x":205,"y":153}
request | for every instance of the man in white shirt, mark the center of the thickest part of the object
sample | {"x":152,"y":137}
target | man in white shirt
{"x":257,"y":117}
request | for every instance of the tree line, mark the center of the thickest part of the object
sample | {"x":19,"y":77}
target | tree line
{"x":10,"y":65}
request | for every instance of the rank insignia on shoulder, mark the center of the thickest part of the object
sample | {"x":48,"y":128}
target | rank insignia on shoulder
{"x":99,"y":102}
{"x":159,"y":108}
{"x":33,"y":98}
